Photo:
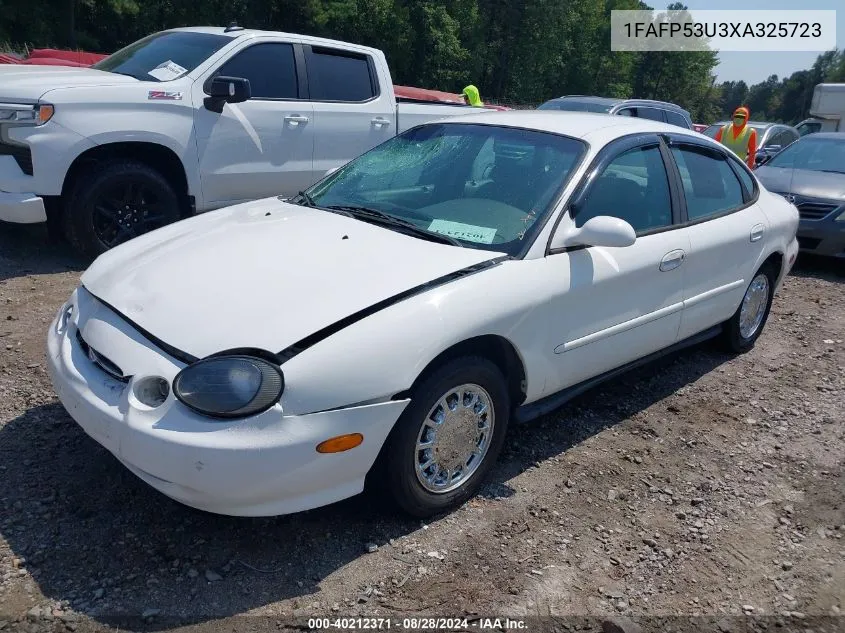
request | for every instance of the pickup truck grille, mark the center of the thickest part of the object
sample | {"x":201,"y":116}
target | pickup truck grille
{"x":21,"y":154}
{"x":814,"y":210}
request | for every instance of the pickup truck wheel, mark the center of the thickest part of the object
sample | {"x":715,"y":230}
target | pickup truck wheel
{"x":115,"y":202}
{"x":448,"y":437}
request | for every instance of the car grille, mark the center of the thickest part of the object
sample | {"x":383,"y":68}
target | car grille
{"x":814,"y":210}
{"x":21,"y":154}
{"x":101,"y":361}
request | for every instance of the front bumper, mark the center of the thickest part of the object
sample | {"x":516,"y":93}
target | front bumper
{"x":21,"y":208}
{"x":822,"y":237}
{"x":265,"y":465}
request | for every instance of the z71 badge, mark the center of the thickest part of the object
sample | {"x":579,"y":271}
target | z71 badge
{"x":163,"y":95}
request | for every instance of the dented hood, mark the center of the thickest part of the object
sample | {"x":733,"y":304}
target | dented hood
{"x":264,"y":274}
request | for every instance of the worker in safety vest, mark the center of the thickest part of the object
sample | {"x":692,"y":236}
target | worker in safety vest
{"x":739,"y":137}
{"x":472,"y":96}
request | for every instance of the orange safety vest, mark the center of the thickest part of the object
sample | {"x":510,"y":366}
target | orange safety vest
{"x":738,"y":145}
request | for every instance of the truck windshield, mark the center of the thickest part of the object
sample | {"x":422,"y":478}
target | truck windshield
{"x":488,"y":187}
{"x":163,"y":56}
{"x":813,"y":153}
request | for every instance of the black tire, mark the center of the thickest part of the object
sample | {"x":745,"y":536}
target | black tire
{"x":400,"y":454}
{"x":121,"y":200}
{"x":733,"y":338}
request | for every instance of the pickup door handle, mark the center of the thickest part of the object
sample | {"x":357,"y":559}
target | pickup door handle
{"x":672,"y":260}
{"x":757,"y":232}
{"x":380,"y":121}
{"x":296,"y":119}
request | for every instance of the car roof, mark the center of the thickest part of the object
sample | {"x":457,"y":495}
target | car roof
{"x":613,"y":101}
{"x":589,"y":126}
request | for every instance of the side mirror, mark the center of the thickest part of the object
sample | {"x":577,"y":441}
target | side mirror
{"x":222,"y":90}
{"x":602,"y":230}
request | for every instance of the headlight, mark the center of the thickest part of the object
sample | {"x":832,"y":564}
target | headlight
{"x":37,"y":114}
{"x":841,"y":217}
{"x":229,"y":386}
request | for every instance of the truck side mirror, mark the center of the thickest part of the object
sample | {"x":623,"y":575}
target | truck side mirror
{"x":221,"y":90}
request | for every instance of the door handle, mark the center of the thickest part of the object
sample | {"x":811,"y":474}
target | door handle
{"x":380,"y":121}
{"x":296,"y":119}
{"x":757,"y":232}
{"x":672,"y":260}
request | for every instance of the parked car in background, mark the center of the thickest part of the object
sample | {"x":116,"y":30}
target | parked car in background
{"x":699,"y":127}
{"x":394,"y":317}
{"x":771,"y":137}
{"x":811,"y":174}
{"x":185,"y":121}
{"x":638,"y":108}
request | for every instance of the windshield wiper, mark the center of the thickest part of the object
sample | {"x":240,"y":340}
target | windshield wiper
{"x":307,"y":199}
{"x":391,"y":220}
{"x":832,"y":171}
{"x":117,"y":72}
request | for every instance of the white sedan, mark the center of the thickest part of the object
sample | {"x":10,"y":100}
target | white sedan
{"x":386,"y":325}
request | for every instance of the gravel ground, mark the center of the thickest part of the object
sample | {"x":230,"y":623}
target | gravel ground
{"x":703,"y":485}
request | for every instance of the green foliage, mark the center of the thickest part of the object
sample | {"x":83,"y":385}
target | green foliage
{"x":517,"y":51}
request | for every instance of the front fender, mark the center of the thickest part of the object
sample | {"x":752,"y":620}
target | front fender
{"x":383,"y":354}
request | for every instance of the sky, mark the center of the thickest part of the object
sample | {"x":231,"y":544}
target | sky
{"x":755,"y":67}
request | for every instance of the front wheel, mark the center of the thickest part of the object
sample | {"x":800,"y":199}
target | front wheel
{"x":115,"y":202}
{"x":746,"y":325}
{"x":448,"y":438}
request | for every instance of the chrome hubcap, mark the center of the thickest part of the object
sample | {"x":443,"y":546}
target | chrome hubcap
{"x":754,"y":306}
{"x":454,"y":438}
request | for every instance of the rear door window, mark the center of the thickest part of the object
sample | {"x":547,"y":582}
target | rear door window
{"x":711,"y":187}
{"x":335,"y":75}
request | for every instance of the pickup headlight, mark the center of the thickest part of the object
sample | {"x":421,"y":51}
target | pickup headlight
{"x":840,"y":217}
{"x":229,"y":386}
{"x":21,"y":113}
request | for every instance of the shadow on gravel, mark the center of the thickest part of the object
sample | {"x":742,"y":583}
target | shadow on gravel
{"x":96,"y":536}
{"x":825,"y":268}
{"x":25,"y":249}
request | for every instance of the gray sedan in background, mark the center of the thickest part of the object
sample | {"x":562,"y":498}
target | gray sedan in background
{"x":810,"y":173}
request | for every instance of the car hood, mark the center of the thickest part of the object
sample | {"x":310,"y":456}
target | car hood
{"x":264,"y":274}
{"x":19,"y":81}
{"x":803,"y":182}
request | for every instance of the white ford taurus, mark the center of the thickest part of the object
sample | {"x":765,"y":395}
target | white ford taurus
{"x":265,"y":358}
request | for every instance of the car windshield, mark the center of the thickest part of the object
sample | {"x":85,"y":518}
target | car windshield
{"x":572,"y":105}
{"x":163,"y":56}
{"x":484,"y":186}
{"x":813,"y":153}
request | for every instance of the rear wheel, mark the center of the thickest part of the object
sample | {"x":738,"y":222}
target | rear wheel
{"x":448,"y":438}
{"x":115,"y":202}
{"x":746,"y":325}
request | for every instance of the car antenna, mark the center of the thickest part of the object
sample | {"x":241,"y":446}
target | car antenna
{"x":233,"y":26}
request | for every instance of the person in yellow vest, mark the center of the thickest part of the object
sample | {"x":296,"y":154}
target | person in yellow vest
{"x":472,"y":96}
{"x":739,"y":137}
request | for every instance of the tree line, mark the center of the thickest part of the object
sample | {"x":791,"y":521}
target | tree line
{"x":515,"y":51}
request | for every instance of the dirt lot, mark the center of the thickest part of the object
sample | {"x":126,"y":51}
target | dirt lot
{"x":703,"y":485}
